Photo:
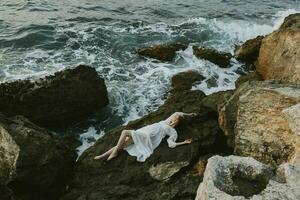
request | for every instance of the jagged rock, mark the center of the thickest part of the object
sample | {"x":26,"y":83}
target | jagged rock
{"x":162,"y":52}
{"x":241,"y":178}
{"x":255,"y":122}
{"x":219,"y":58}
{"x":249,"y":51}
{"x":279,"y":56}
{"x":167,"y":174}
{"x":36,"y":163}
{"x":55,"y":101}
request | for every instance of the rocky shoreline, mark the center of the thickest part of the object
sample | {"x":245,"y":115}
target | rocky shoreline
{"x":246,"y":141}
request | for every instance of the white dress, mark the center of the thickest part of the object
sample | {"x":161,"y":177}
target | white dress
{"x":147,"y":138}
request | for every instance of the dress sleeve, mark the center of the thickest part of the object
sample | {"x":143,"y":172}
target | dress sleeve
{"x":172,"y":139}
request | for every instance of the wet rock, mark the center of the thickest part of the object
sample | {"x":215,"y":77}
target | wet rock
{"x":167,"y":173}
{"x":241,"y":178}
{"x":55,"y":101}
{"x":279,"y":56}
{"x":162,"y":52}
{"x":36,"y":163}
{"x":185,"y":80}
{"x":219,"y":58}
{"x":260,"y":121}
{"x":249,"y":51}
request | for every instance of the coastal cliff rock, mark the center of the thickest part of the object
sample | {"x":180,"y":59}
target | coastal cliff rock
{"x":163,"y":52}
{"x":219,"y":58}
{"x":168,"y":173}
{"x":241,"y":178}
{"x":261,"y":120}
{"x":279,"y":56}
{"x":248,"y":52}
{"x":35,"y":163}
{"x":55,"y":101}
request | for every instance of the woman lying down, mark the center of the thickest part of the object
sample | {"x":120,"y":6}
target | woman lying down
{"x":142,"y":142}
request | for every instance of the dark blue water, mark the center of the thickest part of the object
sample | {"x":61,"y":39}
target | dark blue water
{"x":39,"y":37}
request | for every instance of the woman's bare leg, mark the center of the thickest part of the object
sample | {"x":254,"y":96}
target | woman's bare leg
{"x":107,"y":153}
{"x":128,"y":141}
{"x":120,"y":144}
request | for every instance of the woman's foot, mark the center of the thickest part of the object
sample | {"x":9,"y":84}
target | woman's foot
{"x":112,"y":155}
{"x":98,"y":157}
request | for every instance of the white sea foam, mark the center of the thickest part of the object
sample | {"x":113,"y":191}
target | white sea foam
{"x":88,"y":138}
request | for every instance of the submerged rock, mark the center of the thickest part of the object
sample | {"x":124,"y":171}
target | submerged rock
{"x":55,"y":101}
{"x":241,"y":178}
{"x":279,"y":56}
{"x":249,"y":51}
{"x":168,"y":173}
{"x":36,"y":164}
{"x":219,"y":58}
{"x":162,"y":52}
{"x":260,"y":121}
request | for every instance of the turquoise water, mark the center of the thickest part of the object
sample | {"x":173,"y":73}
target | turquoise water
{"x":41,"y":37}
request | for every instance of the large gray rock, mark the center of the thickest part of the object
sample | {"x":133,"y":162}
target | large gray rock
{"x":55,"y":101}
{"x":168,"y":173}
{"x":34,"y":163}
{"x":241,"y":178}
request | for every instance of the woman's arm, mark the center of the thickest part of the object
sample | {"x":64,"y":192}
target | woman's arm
{"x":173,"y":144}
{"x":188,"y":141}
{"x":189,"y":114}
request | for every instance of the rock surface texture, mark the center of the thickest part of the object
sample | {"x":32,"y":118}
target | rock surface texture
{"x":279,"y":56}
{"x":168,"y":173}
{"x":55,"y":101}
{"x":164,"y":52}
{"x":261,"y":120}
{"x":219,"y":58}
{"x":36,"y":164}
{"x":241,"y":178}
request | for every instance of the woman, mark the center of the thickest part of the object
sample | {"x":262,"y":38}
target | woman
{"x":142,"y":142}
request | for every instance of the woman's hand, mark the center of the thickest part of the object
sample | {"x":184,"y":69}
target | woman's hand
{"x":188,"y":141}
{"x":193,"y":114}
